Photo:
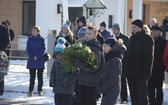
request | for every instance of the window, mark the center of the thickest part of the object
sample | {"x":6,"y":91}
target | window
{"x":74,"y":13}
{"x":110,"y":21}
{"x":28,"y":17}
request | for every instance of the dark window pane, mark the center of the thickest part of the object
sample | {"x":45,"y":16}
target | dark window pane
{"x":110,"y":21}
{"x":28,"y":17}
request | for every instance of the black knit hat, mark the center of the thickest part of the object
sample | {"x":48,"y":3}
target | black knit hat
{"x":82,"y":19}
{"x":138,"y":23}
{"x":103,"y":24}
{"x":157,"y":28}
{"x":110,"y":42}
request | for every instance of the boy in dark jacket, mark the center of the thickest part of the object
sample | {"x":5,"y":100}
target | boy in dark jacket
{"x":62,"y":82}
{"x":88,"y":79}
{"x":139,"y":60}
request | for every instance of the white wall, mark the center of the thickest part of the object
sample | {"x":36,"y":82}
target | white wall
{"x":47,"y":17}
{"x":115,"y":8}
{"x":112,"y":7}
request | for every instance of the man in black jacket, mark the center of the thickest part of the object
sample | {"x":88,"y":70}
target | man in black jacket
{"x":119,"y":35}
{"x":139,"y":63}
{"x":6,"y":24}
{"x":4,"y":43}
{"x":156,"y":80}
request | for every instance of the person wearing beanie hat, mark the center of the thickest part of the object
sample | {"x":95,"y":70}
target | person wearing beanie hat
{"x":116,"y":26}
{"x":138,"y":23}
{"x":103,"y":24}
{"x":103,"y":31}
{"x":65,"y":26}
{"x":112,"y":69}
{"x":155,"y":83}
{"x":62,"y":82}
{"x":67,"y":34}
{"x":81,"y":34}
{"x":119,"y":35}
{"x":81,"y":22}
{"x":139,"y":60}
{"x":60,"y":46}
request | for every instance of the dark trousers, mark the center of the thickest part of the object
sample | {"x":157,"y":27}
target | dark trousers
{"x":1,"y":87}
{"x":155,"y":91}
{"x":86,"y":95}
{"x":123,"y":93}
{"x":138,"y":91}
{"x":32,"y":79}
{"x":62,"y":99}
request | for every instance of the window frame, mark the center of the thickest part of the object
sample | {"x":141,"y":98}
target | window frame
{"x":23,"y":17}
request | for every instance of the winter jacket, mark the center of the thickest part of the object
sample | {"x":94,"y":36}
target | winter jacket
{"x":165,"y":57}
{"x":110,"y":81}
{"x":35,"y":47}
{"x":4,"y":38}
{"x":63,"y":83}
{"x":105,"y":34}
{"x":125,"y":41}
{"x":165,"y":30}
{"x":158,"y":65}
{"x":140,"y":55}
{"x":91,"y":77}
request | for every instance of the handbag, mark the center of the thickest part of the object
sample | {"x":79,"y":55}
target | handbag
{"x":47,"y":56}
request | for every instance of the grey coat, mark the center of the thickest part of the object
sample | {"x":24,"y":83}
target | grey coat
{"x":110,"y":81}
{"x":63,"y":83}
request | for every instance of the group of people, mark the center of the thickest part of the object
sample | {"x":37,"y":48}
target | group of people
{"x":139,"y":61}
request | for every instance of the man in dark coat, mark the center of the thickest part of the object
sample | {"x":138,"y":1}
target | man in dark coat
{"x":156,"y":80}
{"x":6,"y":24}
{"x":103,"y":31}
{"x":165,"y":28}
{"x":119,"y":35}
{"x":4,"y":42}
{"x":81,"y":22}
{"x":139,"y":63}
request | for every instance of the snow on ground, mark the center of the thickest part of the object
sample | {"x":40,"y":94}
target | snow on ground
{"x":17,"y":83}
